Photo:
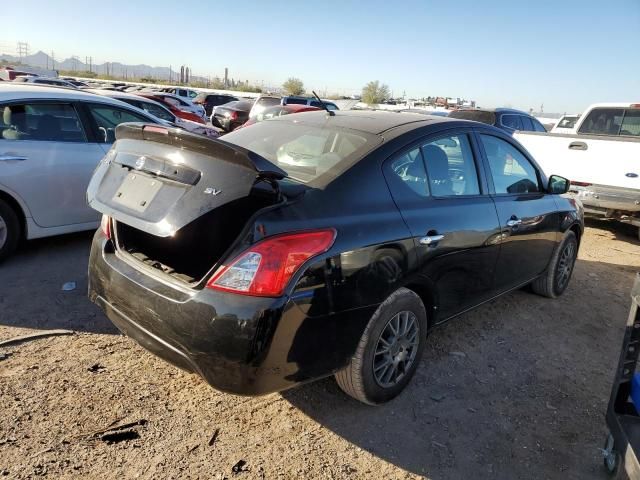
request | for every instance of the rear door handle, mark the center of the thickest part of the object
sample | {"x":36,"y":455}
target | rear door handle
{"x":12,"y":158}
{"x":431,"y":239}
{"x":578,"y":146}
{"x":513,"y":222}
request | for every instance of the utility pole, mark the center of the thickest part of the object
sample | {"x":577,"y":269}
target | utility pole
{"x":53,"y":60}
{"x":23,"y":50}
{"x":90,"y":64}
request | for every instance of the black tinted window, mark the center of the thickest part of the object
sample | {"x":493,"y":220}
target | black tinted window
{"x":527,"y":124}
{"x":451,"y":168}
{"x":407,"y":175}
{"x":476,"y":115}
{"x":511,"y":121}
{"x":537,"y":126}
{"x":510,"y":169}
{"x":297,"y":101}
{"x":603,"y":121}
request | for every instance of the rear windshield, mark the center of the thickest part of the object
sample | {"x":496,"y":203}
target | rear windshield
{"x":476,"y":115}
{"x":308,"y":153}
{"x":567,"y":122}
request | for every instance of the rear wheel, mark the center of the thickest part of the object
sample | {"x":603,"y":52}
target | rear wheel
{"x":555,"y":280}
{"x":389,"y":350}
{"x":9,"y":230}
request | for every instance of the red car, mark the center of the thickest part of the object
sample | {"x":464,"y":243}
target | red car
{"x":174,"y":108}
{"x":278,"y":111}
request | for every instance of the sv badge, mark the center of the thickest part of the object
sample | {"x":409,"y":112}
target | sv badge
{"x":212,"y":191}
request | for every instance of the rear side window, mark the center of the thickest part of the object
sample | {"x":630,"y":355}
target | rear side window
{"x":537,"y":126}
{"x":527,"y":124}
{"x":157,"y":111}
{"x":476,"y":115}
{"x":407,"y":176}
{"x":450,"y":167}
{"x":511,"y":121}
{"x":297,"y":101}
{"x":603,"y":121}
{"x":107,"y":118}
{"x":631,"y":123}
{"x":512,"y":173}
{"x":57,"y":122}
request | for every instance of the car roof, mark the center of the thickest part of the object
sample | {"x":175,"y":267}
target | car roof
{"x":375,"y":122}
{"x":18,"y":91}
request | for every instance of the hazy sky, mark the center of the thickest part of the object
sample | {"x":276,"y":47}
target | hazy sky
{"x":564,"y":53}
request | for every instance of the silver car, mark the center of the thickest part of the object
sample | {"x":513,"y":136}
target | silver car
{"x":51,"y":140}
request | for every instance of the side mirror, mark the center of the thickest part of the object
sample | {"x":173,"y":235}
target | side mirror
{"x":558,"y":185}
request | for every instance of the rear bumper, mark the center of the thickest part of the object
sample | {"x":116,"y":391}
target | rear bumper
{"x":238,"y":344}
{"x":602,"y":198}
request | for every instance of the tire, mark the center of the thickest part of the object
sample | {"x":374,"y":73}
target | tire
{"x":555,"y":280}
{"x":9,"y":230}
{"x":403,"y":308}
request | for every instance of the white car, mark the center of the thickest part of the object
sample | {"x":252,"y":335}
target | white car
{"x":51,"y":140}
{"x":159,"y":111}
{"x":600,"y":158}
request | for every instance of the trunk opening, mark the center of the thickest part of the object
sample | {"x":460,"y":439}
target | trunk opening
{"x":198,"y":246}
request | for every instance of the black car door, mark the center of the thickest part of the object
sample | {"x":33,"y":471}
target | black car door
{"x":451,"y":217}
{"x":528,"y":215}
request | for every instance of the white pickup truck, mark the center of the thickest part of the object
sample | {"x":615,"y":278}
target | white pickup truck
{"x":602,"y":159}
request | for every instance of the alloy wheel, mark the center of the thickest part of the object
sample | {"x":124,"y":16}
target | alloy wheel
{"x":565,"y":265}
{"x":3,"y":232}
{"x":396,"y":349}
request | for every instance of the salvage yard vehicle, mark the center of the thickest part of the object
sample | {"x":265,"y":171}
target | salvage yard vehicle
{"x":600,"y":159}
{"x":278,"y":111}
{"x":159,"y":111}
{"x":319,"y":244}
{"x":231,"y":115}
{"x":311,"y":101}
{"x":51,"y":140}
{"x":507,"y":119}
{"x":210,"y":100}
{"x":178,"y":106}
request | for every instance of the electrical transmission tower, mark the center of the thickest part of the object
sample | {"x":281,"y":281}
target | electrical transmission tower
{"x":23,"y":50}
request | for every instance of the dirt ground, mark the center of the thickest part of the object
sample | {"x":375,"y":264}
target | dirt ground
{"x":515,"y":389}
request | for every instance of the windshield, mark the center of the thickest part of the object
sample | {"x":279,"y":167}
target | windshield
{"x":567,"y":122}
{"x":308,"y":153}
{"x":476,"y":115}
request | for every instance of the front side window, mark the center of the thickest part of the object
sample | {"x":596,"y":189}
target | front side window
{"x":57,"y":122}
{"x":631,"y":123}
{"x":407,"y":176}
{"x":511,"y":171}
{"x":603,"y":121}
{"x":451,"y":167}
{"x":107,"y":118}
{"x":511,"y":121}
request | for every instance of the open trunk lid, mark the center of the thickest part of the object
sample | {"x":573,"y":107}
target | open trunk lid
{"x":159,"y":179}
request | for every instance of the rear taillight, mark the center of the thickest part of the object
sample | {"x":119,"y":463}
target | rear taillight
{"x":233,"y":116}
{"x":105,"y":226}
{"x":265,"y":269}
{"x":580,"y":184}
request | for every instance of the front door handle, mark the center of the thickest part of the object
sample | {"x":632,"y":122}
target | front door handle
{"x":578,"y":146}
{"x":12,"y":158}
{"x":513,"y":222}
{"x":431,"y":239}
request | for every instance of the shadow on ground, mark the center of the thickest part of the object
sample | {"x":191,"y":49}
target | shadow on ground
{"x":31,"y":281}
{"x":522,"y":396}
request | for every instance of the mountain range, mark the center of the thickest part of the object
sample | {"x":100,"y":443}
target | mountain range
{"x":115,"y":69}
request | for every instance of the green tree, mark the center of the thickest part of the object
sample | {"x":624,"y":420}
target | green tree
{"x":374,"y":93}
{"x":293,"y":86}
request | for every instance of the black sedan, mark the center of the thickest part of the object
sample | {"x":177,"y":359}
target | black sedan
{"x":231,"y":115}
{"x":315,"y":244}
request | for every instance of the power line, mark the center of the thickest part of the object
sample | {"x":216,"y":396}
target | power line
{"x":23,"y":50}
